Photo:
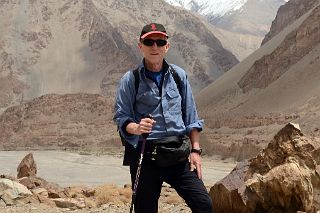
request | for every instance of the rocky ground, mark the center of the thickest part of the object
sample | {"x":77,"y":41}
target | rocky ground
{"x":169,"y":202}
{"x":112,"y":199}
{"x":110,"y":208}
{"x":100,"y":198}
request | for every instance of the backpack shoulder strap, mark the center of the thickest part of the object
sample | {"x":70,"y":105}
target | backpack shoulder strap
{"x":136,"y":83}
{"x":177,"y":79}
{"x":136,"y":79}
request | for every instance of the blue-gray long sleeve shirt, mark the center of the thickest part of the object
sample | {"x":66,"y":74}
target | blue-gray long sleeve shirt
{"x":175,"y":115}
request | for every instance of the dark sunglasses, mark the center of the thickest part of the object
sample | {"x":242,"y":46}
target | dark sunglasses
{"x":150,"y":42}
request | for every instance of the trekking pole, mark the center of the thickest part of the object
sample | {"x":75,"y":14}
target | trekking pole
{"x":135,"y":187}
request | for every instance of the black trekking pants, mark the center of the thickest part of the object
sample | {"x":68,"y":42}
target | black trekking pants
{"x":186,"y":183}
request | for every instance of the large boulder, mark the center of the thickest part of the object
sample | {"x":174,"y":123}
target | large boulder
{"x":27,"y":167}
{"x":11,"y":192}
{"x":282,"y":178}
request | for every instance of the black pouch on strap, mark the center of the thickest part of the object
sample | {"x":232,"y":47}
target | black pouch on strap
{"x":170,"y":151}
{"x":131,"y":154}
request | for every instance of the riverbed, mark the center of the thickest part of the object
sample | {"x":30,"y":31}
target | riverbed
{"x":69,"y":169}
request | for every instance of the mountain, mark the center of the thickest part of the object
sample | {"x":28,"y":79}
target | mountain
{"x":277,"y":84}
{"x":212,"y":9}
{"x":239,"y":24}
{"x":73,"y":122}
{"x":288,"y":14}
{"x":60,"y":63}
{"x":74,"y":46}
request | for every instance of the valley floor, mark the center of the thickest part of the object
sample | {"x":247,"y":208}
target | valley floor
{"x":69,"y":169}
{"x":66,"y":169}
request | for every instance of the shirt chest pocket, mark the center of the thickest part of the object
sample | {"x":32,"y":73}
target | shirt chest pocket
{"x":147,"y":99}
{"x":173,"y":100}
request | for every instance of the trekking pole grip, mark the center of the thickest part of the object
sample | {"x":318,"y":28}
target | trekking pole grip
{"x":145,"y":135}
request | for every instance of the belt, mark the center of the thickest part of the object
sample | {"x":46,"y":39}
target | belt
{"x":151,"y":144}
{"x":166,"y":139}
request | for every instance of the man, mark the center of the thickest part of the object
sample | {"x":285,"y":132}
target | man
{"x":172,"y":107}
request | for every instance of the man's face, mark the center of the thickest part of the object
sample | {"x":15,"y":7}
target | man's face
{"x":154,"y":54}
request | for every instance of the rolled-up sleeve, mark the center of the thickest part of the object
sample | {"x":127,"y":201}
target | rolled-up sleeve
{"x":189,"y":108}
{"x":123,"y":109}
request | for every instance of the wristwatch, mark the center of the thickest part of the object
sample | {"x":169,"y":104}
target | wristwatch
{"x":198,"y":150}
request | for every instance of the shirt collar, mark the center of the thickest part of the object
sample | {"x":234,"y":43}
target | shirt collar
{"x":165,"y":66}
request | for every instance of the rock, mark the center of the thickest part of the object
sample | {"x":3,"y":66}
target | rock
{"x":284,"y":177}
{"x":38,"y":182}
{"x":26,"y":181}
{"x":11,"y":191}
{"x":45,"y":200}
{"x":69,"y":203}
{"x":127,"y":185}
{"x":9,"y":177}
{"x":2,"y":203}
{"x":27,"y":167}
{"x":41,"y":191}
{"x":27,"y":200}
{"x":88,"y":192}
{"x":56,"y":193}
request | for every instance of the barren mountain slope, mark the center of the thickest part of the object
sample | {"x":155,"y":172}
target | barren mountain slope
{"x":253,"y":18}
{"x":246,"y":27}
{"x":71,"y":122}
{"x":287,"y":14}
{"x":240,"y":44}
{"x":277,"y":84}
{"x":73,"y":46}
{"x":240,"y":25}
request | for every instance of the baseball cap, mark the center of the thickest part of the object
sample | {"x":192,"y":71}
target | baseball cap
{"x":153,"y":28}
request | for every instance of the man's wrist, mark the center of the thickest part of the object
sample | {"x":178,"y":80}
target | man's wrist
{"x":132,"y":128}
{"x":125,"y":129}
{"x":196,"y":150}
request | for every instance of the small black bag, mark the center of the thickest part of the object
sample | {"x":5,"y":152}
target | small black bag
{"x":170,"y":151}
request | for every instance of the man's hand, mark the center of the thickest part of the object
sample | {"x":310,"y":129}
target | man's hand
{"x":195,"y":158}
{"x":145,"y":126}
{"x":195,"y":163}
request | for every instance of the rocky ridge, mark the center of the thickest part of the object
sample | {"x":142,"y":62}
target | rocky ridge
{"x":287,"y":14}
{"x":296,"y":45}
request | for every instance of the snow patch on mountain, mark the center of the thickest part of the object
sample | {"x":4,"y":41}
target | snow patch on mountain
{"x":215,"y":8}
